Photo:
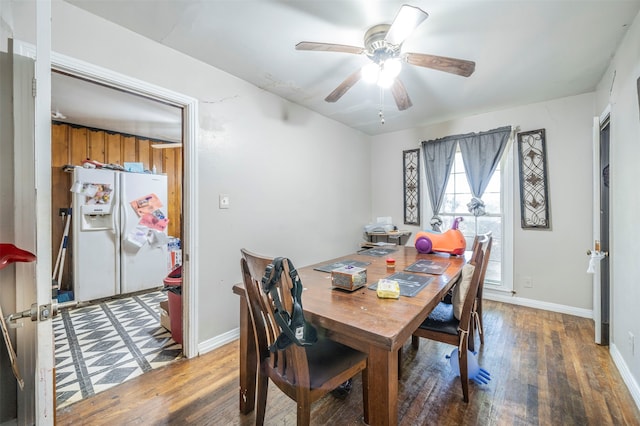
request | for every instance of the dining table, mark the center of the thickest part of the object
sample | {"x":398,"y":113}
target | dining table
{"x":362,"y":320}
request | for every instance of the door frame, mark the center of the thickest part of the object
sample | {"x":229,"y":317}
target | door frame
{"x":119,"y":81}
{"x":597,"y":296}
{"x":189,"y":105}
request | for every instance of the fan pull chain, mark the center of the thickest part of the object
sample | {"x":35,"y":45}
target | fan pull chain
{"x":380,"y":112}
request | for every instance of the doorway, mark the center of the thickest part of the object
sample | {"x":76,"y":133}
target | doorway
{"x":102,"y":343}
{"x":189,"y":218}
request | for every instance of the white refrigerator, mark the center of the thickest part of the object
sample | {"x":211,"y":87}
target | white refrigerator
{"x":119,"y":241}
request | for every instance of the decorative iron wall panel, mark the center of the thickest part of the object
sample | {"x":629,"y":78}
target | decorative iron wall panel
{"x":411,"y":168}
{"x":534,"y":198}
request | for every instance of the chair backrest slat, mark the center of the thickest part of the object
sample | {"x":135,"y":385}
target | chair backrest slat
{"x":470,"y":297}
{"x":479,"y":258}
{"x":485,"y":263}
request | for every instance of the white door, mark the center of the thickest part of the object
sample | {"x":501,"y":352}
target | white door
{"x":32,"y":193}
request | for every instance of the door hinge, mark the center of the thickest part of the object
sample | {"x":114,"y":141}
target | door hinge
{"x":33,"y":87}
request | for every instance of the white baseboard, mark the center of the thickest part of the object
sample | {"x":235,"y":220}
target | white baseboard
{"x":628,"y":378}
{"x":218,"y":341}
{"x":501,"y":296}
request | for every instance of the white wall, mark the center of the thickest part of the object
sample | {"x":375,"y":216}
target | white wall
{"x":291,"y":174}
{"x":622,"y":95}
{"x":555,"y":259}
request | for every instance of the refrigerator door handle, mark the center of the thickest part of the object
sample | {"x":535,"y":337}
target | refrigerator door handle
{"x":123,"y":221}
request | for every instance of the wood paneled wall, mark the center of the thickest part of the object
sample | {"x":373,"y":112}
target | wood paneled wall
{"x":72,"y":144}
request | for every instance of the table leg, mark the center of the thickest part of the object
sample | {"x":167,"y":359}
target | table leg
{"x":248,"y":360}
{"x":382,"y":372}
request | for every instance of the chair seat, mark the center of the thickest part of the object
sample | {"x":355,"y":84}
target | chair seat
{"x":442,"y":320}
{"x":327,"y":359}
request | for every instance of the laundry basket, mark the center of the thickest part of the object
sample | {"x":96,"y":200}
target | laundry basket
{"x":173,"y":286}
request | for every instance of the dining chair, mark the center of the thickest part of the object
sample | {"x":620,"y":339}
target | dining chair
{"x":451,"y":322}
{"x":303,"y":373}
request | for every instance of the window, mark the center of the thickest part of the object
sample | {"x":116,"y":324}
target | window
{"x":458,"y":194}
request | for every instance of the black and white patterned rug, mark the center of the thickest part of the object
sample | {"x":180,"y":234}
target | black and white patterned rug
{"x":104,"y":344}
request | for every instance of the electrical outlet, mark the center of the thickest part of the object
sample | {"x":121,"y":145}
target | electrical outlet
{"x":63,"y":212}
{"x":223,"y":201}
{"x":527,"y":282}
{"x":632,"y":342}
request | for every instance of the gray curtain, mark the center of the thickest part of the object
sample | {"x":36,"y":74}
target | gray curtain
{"x":481,"y":153}
{"x":438,"y":159}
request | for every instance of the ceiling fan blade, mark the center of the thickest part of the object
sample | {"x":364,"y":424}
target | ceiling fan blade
{"x":441,"y":63}
{"x":405,"y":22}
{"x":400,"y":95}
{"x":329,"y":47}
{"x":343,"y":87}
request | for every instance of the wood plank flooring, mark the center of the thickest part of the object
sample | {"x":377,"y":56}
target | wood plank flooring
{"x":545,"y":370}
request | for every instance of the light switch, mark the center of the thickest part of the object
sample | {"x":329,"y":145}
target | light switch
{"x":223,"y":201}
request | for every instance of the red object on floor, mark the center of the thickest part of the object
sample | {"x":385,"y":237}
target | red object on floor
{"x":174,"y":279}
{"x":10,"y":253}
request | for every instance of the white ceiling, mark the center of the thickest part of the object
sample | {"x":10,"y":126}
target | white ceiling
{"x":525,"y":50}
{"x":92,"y":105}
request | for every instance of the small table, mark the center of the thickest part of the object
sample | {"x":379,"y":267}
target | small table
{"x":361,"y":320}
{"x":398,"y":237}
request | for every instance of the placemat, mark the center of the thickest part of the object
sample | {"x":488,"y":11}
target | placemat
{"x":428,"y":267}
{"x":331,"y":266}
{"x":410,"y":284}
{"x":378,"y":252}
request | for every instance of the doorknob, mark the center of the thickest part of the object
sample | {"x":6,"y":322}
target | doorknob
{"x":39,"y":313}
{"x":42,"y":313}
{"x":27,"y":313}
{"x":597,"y":252}
{"x":594,"y":256}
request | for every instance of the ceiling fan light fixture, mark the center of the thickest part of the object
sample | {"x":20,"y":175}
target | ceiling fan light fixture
{"x":383,"y":45}
{"x":370,"y":73}
{"x":391,"y":67}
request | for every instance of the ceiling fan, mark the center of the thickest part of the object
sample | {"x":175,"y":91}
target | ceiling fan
{"x":383,"y":43}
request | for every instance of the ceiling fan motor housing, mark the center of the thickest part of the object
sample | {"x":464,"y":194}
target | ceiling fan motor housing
{"x":377,"y":48}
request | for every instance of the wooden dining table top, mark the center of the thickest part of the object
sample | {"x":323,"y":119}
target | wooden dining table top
{"x":358,"y":316}
{"x":361,"y":315}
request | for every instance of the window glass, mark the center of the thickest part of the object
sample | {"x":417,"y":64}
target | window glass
{"x":457,"y":195}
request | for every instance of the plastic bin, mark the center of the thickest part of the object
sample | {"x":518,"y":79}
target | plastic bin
{"x":173,"y":286}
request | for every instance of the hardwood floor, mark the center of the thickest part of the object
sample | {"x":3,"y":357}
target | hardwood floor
{"x":545,"y":370}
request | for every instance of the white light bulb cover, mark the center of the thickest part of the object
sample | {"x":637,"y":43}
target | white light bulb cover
{"x":370,"y":72}
{"x":392,"y":67}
